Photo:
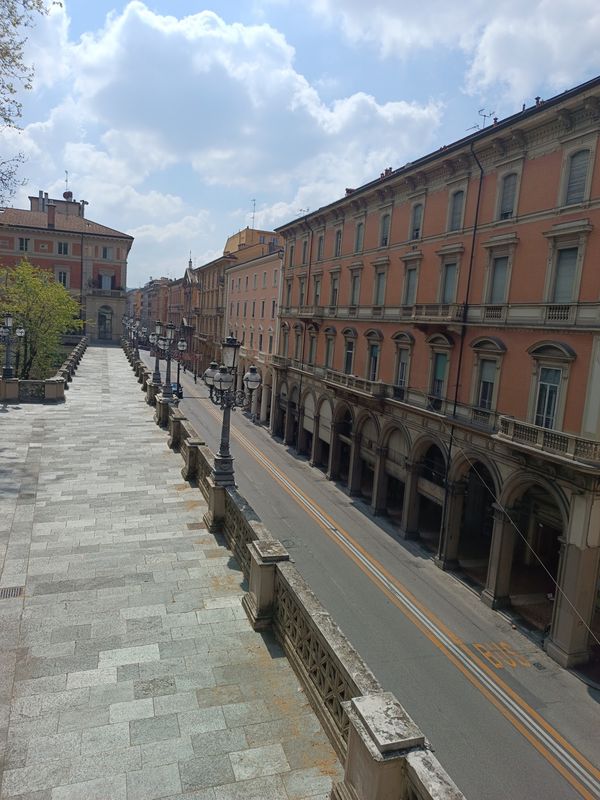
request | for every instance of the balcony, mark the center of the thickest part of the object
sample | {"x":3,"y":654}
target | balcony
{"x":311,"y":312}
{"x":352,"y":382}
{"x":280,"y":361}
{"x":546,"y":440}
{"x":538,"y":315}
{"x":107,"y":292}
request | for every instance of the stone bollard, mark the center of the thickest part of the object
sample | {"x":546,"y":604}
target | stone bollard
{"x":9,"y":390}
{"x":387,"y":757}
{"x":54,"y":390}
{"x":189,"y":449}
{"x":152,"y":391}
{"x":258,"y":601}
{"x":214,"y":519}
{"x":175,"y":420}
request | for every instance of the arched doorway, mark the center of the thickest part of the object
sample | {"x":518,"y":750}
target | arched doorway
{"x":323,"y":442}
{"x":305,"y":441}
{"x":432,"y":474}
{"x":395,"y":475}
{"x":477,"y":523}
{"x":105,"y":323}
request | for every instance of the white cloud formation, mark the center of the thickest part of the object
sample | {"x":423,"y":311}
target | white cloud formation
{"x":518,"y":45}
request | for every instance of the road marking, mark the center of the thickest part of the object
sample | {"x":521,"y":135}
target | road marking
{"x":501,"y":655}
{"x":583,"y":776}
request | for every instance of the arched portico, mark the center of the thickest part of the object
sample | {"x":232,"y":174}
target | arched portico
{"x":341,"y":444}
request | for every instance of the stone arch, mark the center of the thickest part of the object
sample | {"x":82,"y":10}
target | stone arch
{"x":462,"y":463}
{"x":518,"y":483}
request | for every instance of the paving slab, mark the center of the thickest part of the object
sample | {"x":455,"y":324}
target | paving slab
{"x":128,"y":669}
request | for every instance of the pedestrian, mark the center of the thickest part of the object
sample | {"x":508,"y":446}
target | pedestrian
{"x":195,"y":378}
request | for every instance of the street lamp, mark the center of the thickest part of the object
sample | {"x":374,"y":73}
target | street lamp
{"x":221,"y":382}
{"x":154,"y":337}
{"x":165,"y":345}
{"x":6,"y":334}
{"x":181,"y":347}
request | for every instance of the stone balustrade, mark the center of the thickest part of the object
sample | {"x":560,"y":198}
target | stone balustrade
{"x":49,"y":390}
{"x":385,"y":755}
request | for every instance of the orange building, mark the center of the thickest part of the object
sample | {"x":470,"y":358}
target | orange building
{"x":89,"y":259}
{"x":439,"y":356}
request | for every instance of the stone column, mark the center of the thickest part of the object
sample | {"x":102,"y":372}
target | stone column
{"x":258,"y":601}
{"x":314,"y":451}
{"x":289,"y":424}
{"x":497,"y":585}
{"x":409,"y":525}
{"x":574,"y":605}
{"x":379,"y":483}
{"x":447,"y":558}
{"x":264,"y":404}
{"x":299,"y":443}
{"x":275,"y":410}
{"x":354,"y":472}
{"x":333,"y":467}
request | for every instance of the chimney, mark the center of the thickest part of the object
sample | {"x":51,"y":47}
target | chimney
{"x":51,"y":215}
{"x":45,"y":201}
{"x":40,"y":201}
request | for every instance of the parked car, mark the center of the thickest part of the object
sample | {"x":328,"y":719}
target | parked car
{"x":177,"y":390}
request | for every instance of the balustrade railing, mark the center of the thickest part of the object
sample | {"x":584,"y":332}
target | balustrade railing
{"x":546,"y":439}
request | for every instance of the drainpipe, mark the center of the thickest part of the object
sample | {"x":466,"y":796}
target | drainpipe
{"x":461,"y":349}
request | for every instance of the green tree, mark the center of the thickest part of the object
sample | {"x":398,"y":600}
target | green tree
{"x":16,"y":16}
{"x":46,"y":310}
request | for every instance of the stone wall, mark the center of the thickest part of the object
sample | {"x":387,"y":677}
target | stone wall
{"x":50,"y":390}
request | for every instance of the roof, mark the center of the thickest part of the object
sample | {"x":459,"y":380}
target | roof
{"x":67,"y":223}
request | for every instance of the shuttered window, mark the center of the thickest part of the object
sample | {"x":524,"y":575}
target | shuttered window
{"x":456,"y":210}
{"x":507,"y":200}
{"x":439,"y":374}
{"x":487,"y":374}
{"x":384,"y":236}
{"x":448,"y":283}
{"x":564,"y":279}
{"x":417,"y":221}
{"x":578,"y":167}
{"x":497,"y":292}
{"x":410,"y":287}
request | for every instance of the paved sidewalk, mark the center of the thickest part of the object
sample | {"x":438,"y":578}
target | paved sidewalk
{"x":127,"y":667}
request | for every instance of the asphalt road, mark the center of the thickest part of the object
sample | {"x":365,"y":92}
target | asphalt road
{"x":503,"y":719}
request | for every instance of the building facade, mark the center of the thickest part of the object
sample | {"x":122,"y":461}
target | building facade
{"x":252,"y":307}
{"x":89,"y":259}
{"x":439,"y":356}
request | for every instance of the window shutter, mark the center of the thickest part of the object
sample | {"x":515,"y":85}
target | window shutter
{"x":578,"y":167}
{"x":498,"y":287}
{"x":416,"y":221}
{"x":456,"y":210}
{"x":565,"y":275}
{"x":449,"y":287}
{"x":507,"y":203}
{"x":440,"y":367}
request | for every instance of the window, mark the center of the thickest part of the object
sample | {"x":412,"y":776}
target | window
{"x":338,"y":243}
{"x":379,"y":294}
{"x":448,"y":289}
{"x":63,"y":278}
{"x":349,"y":356}
{"x":232,"y":284}
{"x":302,"y":294}
{"x":416,"y":221}
{"x":273,"y":308}
{"x":438,"y":378}
{"x":264,"y":283}
{"x":487,"y":376}
{"x":107,"y":253}
{"x":291,"y":255}
{"x":335,"y":285}
{"x":285,"y":337}
{"x":245,"y":308}
{"x":358,"y":237}
{"x":262,"y":309}
{"x":355,"y":289}
{"x":498,"y":280}
{"x":106,"y":282}
{"x":63,"y":248}
{"x":312,"y":349}
{"x":507,"y":196}
{"x":231,"y":309}
{"x":547,"y":397}
{"x":456,"y":210}
{"x":239,"y":284}
{"x":373,"y":362}
{"x":564,"y":276}
{"x":304,"y":251}
{"x":329,"y":345}
{"x":410,"y":286}
{"x":384,"y":230}
{"x":237,"y":308}
{"x":577,"y":177}
{"x":254,"y":280}
{"x":270,"y":343}
{"x":317,"y":292}
{"x":274,"y":277}
{"x":246,"y":282}
{"x":401,"y":377}
{"x":297,"y":346}
{"x":260,"y":342}
{"x":251,"y":339}
{"x":288,"y":293}
{"x":320,"y":244}
{"x":23,"y":244}
{"x":253,"y":307}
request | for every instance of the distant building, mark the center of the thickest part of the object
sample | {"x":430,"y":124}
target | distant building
{"x":88,"y":259}
{"x":439,"y":357}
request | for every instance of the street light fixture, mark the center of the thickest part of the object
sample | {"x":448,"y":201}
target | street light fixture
{"x":165,"y":345}
{"x":154,"y":338}
{"x":181,"y":347}
{"x":221,"y":381}
{"x":6,"y":333}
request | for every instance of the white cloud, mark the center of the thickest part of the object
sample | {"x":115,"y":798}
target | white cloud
{"x":520,"y":46}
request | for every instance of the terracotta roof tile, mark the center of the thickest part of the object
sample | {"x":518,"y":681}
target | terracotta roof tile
{"x":70,"y":223}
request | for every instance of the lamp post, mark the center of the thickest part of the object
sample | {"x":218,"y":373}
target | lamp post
{"x":6,"y":332}
{"x":181,"y":347}
{"x":165,"y":343}
{"x":221,"y":382}
{"x":154,"y":337}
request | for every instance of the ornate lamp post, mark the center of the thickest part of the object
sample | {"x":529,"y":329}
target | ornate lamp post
{"x":6,"y":333}
{"x":181,"y":347}
{"x":209,"y":376}
{"x":221,"y":382}
{"x":165,"y":343}
{"x":154,"y":337}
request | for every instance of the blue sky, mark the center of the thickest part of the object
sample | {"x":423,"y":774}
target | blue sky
{"x":172,"y":116}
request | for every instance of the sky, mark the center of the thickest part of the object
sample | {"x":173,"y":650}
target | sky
{"x":181,"y":123}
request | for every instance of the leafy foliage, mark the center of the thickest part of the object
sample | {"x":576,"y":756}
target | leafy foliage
{"x":46,"y":310}
{"x":15,"y":17}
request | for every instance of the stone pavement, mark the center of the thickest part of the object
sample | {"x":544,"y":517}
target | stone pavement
{"x":127,"y":667}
